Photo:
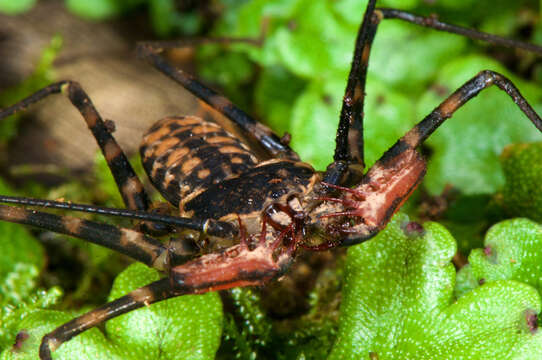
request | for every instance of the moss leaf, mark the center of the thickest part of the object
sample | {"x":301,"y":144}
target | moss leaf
{"x":398,"y":303}
{"x":511,"y":251}
{"x":522,"y":193}
{"x":187,"y":327}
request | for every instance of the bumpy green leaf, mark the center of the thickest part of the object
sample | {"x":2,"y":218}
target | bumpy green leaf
{"x":90,"y":345}
{"x":20,"y":297}
{"x":398,"y":303}
{"x":522,"y":192}
{"x":511,"y":251}
{"x":466,"y":148}
{"x":186,"y":327}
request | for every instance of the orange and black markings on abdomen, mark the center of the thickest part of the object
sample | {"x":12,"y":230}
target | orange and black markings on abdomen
{"x":210,"y":174}
{"x":185,"y":155}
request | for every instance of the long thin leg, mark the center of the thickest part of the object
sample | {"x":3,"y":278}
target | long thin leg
{"x":144,"y":296}
{"x":129,"y":185}
{"x":421,"y":131}
{"x":208,"y":226}
{"x":239,"y":265}
{"x":434,"y":23}
{"x":129,"y":242}
{"x":391,"y":180}
{"x":270,"y":141}
{"x":349,"y":139}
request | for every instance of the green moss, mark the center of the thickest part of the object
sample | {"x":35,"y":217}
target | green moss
{"x":398,"y":303}
{"x":522,"y":192}
{"x":186,"y":327}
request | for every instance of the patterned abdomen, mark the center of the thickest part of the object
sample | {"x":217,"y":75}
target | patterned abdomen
{"x":183,"y":156}
{"x":250,"y":193}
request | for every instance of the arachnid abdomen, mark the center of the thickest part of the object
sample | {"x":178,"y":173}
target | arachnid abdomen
{"x":210,"y":174}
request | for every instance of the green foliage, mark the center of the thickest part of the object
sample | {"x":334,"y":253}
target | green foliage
{"x":511,"y":251}
{"x":21,"y":261}
{"x":249,"y":333}
{"x":522,"y":193}
{"x":166,"y":20}
{"x":254,"y":331}
{"x":186,"y":327}
{"x":307,"y":53}
{"x":398,"y":303}
{"x":101,"y":9}
{"x":164,"y":17}
{"x":42,"y":76}
{"x":465,"y":150}
{"x":400,"y":297}
{"x":11,"y":7}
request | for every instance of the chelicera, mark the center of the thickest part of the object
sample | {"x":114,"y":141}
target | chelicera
{"x":254,"y":213}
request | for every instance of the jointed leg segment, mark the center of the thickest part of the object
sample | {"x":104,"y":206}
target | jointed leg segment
{"x":129,"y":185}
{"x":138,"y":246}
{"x":144,"y":296}
{"x":433,"y":23}
{"x":419,"y":133}
{"x":349,"y":139}
{"x":208,"y":226}
{"x":237,"y":266}
{"x":188,"y":278}
{"x":151,"y":52}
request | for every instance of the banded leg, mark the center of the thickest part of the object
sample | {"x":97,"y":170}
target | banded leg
{"x":151,"y":52}
{"x":128,"y":183}
{"x":144,"y":296}
{"x":129,"y":242}
{"x":349,"y":139}
{"x":434,"y":23}
{"x":208,"y":226}
{"x":392,"y":179}
{"x":421,"y":131}
{"x":240,"y":265}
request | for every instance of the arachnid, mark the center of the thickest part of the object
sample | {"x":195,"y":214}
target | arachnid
{"x":267,"y":209}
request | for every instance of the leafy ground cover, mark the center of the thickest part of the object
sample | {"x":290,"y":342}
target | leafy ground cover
{"x":400,"y":295}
